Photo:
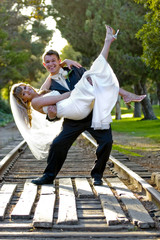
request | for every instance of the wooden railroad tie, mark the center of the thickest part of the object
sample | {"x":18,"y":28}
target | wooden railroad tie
{"x":68,"y":193}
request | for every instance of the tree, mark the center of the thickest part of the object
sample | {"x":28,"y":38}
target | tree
{"x":118,"y":108}
{"x":20,"y":55}
{"x":125,"y":55}
{"x":68,"y":52}
{"x":149,"y":33}
{"x":70,"y":18}
{"x":82,"y":24}
{"x":12,"y":59}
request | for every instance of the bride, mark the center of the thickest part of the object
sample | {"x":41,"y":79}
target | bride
{"x":98,"y":89}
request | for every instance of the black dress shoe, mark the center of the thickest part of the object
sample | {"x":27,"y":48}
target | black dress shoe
{"x":45,"y":179}
{"x":97,"y":181}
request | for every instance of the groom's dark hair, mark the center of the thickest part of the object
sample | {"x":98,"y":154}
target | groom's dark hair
{"x":51,"y":52}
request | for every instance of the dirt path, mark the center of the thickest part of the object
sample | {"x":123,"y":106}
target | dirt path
{"x":149,"y":150}
{"x":8,"y":133}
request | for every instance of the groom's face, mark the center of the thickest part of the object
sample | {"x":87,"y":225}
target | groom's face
{"x":52,"y":64}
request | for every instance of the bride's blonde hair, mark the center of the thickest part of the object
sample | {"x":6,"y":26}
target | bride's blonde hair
{"x":26,"y":107}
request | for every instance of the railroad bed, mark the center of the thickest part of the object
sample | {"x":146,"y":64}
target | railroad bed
{"x":73,"y":207}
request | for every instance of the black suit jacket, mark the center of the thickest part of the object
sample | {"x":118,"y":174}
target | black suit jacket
{"x":74,"y":77}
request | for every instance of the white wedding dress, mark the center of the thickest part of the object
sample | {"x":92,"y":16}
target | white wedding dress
{"x":103,"y":94}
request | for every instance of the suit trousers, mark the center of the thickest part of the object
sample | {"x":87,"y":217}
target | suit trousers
{"x":61,"y":144}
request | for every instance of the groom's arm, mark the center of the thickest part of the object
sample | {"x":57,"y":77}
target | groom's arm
{"x":75,"y":77}
{"x":46,"y":85}
{"x":77,"y":74}
{"x":69,"y":63}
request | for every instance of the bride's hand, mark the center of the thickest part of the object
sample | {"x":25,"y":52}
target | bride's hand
{"x":52,"y":112}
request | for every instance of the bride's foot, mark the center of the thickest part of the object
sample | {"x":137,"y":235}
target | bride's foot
{"x":131,"y":97}
{"x":111,"y":35}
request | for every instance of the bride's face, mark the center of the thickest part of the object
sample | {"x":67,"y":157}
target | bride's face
{"x":27,"y":93}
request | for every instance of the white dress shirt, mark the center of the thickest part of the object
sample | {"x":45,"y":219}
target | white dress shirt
{"x":60,"y":78}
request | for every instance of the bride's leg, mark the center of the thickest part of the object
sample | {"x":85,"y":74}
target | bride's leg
{"x":110,"y":37}
{"x":108,"y":40}
{"x":130,"y":97}
{"x":127,"y":96}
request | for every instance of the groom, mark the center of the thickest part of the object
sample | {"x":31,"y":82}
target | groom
{"x":63,"y":80}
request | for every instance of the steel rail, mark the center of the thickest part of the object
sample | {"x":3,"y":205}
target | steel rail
{"x":4,"y":163}
{"x":124,"y":172}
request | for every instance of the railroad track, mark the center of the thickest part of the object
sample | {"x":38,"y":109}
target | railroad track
{"x":72,"y":207}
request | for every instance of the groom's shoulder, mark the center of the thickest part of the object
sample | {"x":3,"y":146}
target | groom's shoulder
{"x":76,"y":71}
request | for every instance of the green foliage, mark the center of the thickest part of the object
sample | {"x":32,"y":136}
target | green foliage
{"x":38,"y":8}
{"x":5,"y":113}
{"x":4,"y":106}
{"x":149,"y":33}
{"x":68,"y":52}
{"x":70,"y":17}
{"x":84,"y":29}
{"x":125,"y":54}
{"x":22,"y":42}
{"x":5,"y":118}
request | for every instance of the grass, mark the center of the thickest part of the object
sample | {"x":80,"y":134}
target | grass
{"x":136,"y":127}
{"x":127,"y":150}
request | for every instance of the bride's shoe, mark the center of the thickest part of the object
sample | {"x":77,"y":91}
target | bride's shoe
{"x":131,"y":97}
{"x":116,"y":34}
{"x":111,"y":34}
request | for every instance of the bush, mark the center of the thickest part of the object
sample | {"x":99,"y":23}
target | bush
{"x":5,"y":113}
{"x":4,"y":106}
{"x":5,"y":118}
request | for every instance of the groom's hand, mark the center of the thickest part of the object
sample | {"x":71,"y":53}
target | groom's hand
{"x":70,"y":63}
{"x":52,"y":112}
